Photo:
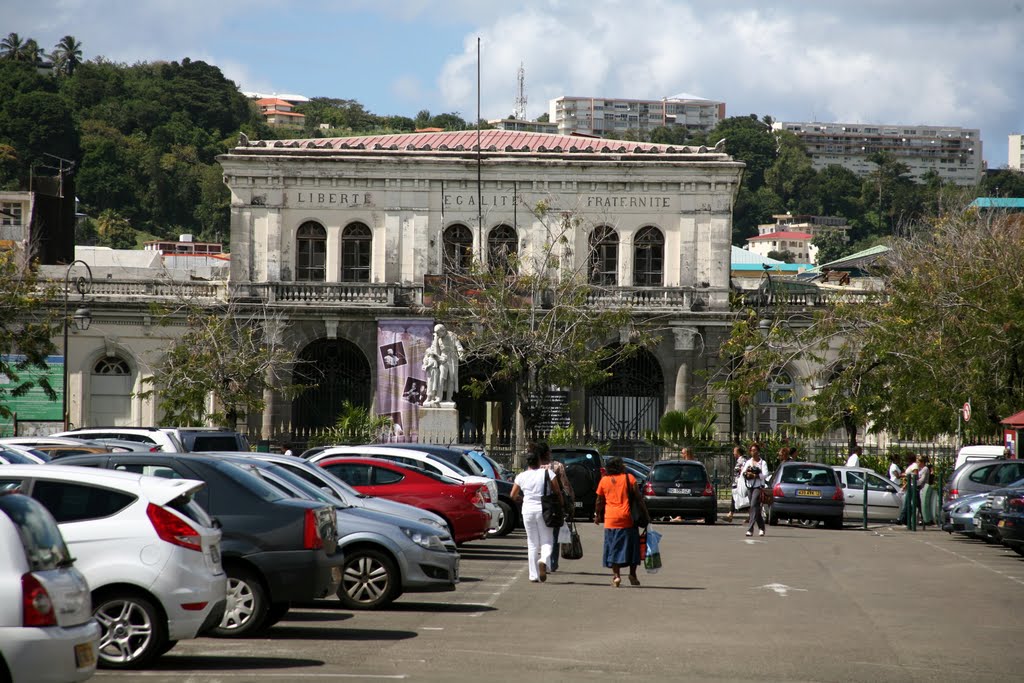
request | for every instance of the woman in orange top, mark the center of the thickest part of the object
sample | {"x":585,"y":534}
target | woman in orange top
{"x":621,"y":538}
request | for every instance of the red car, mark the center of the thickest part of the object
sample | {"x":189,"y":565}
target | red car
{"x":461,"y":505}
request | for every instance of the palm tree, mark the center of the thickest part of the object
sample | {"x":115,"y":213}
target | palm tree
{"x":67,"y":54}
{"x":10,"y":47}
{"x":31,"y":52}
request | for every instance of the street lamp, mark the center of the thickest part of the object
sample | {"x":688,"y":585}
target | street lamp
{"x":82,"y":319}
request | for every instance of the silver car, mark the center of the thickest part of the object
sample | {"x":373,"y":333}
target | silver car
{"x":884,"y":498}
{"x":385,"y":555}
{"x":958,"y":514}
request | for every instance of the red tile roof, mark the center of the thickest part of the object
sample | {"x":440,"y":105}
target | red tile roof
{"x":266,"y":101}
{"x":782,"y":236}
{"x":507,"y":141}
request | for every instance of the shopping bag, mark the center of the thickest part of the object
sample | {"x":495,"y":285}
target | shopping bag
{"x":564,"y":534}
{"x":573,"y":550}
{"x":652,"y":563}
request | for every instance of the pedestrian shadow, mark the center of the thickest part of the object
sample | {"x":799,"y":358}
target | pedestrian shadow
{"x":193,"y":663}
{"x":642,"y":586}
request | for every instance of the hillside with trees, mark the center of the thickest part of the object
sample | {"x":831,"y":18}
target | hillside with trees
{"x":144,"y":140}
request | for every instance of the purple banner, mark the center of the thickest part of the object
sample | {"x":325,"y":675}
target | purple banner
{"x":401,"y":381}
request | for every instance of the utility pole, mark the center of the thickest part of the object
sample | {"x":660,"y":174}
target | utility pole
{"x":519,"y":113}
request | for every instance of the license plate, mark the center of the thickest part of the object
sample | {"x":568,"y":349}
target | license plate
{"x":680,"y":492}
{"x":85,"y":656}
{"x":807,"y":493}
{"x":578,"y":503}
{"x":1002,"y":522}
{"x":215,"y":554}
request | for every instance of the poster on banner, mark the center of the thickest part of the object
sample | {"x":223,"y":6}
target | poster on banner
{"x":401,"y":380}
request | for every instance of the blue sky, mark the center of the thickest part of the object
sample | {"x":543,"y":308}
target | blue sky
{"x":934,"y":62}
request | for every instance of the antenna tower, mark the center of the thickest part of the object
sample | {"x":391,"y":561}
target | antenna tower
{"x":520,"y":110}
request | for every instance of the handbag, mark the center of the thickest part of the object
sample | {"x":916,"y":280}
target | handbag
{"x":551,"y":505}
{"x":637,"y":506}
{"x":573,"y":550}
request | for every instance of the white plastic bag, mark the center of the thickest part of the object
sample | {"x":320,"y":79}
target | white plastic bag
{"x":564,"y":534}
{"x":652,"y":563}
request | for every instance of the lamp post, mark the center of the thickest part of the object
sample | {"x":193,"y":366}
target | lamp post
{"x":82,"y":319}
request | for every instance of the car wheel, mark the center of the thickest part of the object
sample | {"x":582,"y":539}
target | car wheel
{"x":276,"y":613}
{"x":506,"y":520}
{"x":133,"y":633}
{"x":773,"y":519}
{"x":369,"y":579}
{"x":247,"y":606}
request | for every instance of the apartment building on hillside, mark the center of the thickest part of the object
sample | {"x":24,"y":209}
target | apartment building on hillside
{"x":612,"y":117}
{"x":952,"y":152}
{"x":1015,"y":158}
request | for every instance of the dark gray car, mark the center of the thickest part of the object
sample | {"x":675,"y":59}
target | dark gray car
{"x":806,"y":491}
{"x":980,"y":476}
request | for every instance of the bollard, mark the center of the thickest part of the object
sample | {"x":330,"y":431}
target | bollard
{"x":912,"y":501}
{"x":865,"y":500}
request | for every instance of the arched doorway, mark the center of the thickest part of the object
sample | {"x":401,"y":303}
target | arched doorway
{"x":340,"y":371}
{"x":630,"y":402}
{"x":491,"y":417}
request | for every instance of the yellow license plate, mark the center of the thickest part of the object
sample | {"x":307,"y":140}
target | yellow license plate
{"x":1002,"y":522}
{"x":808,"y":493}
{"x":85,"y":656}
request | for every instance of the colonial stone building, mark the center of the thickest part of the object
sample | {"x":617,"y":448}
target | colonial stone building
{"x":339,"y":236}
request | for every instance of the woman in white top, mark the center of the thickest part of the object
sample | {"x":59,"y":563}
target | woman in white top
{"x":755,"y":475}
{"x":529,"y":487}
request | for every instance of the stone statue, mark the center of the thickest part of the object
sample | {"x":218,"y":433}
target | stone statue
{"x":441,"y":363}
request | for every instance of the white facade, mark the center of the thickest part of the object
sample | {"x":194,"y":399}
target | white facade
{"x":952,"y":152}
{"x":609,"y":117}
{"x":1015,"y":157}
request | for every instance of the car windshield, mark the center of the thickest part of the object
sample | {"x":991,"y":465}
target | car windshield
{"x":16,"y":458}
{"x":457,"y":468}
{"x":44,"y":546}
{"x":247,"y":480}
{"x":808,"y":475}
{"x":684,"y":473}
{"x":300,"y":484}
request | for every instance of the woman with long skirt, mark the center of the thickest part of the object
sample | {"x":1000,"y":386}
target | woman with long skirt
{"x":621,"y":537}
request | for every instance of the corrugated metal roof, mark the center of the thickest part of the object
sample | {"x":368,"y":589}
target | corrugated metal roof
{"x":490,"y":141}
{"x":998,"y":203}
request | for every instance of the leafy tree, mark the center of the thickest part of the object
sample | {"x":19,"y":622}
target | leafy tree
{"x":26,"y":331}
{"x":790,"y":173}
{"x":830,"y":246}
{"x":1002,"y":183}
{"x":114,"y":230}
{"x":31,"y":52}
{"x":226,"y":354}
{"x":355,"y":425}
{"x":423,"y":118}
{"x":543,"y":118}
{"x":449,"y":121}
{"x":785,"y":256}
{"x":67,"y":55}
{"x":531,"y":318}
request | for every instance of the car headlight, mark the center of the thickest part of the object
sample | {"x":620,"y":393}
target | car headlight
{"x":428,"y":541}
{"x":437,"y":524}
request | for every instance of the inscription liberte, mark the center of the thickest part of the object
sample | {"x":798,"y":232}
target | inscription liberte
{"x":592,"y":201}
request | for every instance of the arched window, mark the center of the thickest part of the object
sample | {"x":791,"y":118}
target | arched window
{"x":111,"y":366}
{"x":604,"y":257}
{"x":458,"y":249}
{"x":356,"y":240}
{"x":502,"y":244}
{"x":774,"y":405}
{"x":648,"y":258}
{"x":311,"y":252}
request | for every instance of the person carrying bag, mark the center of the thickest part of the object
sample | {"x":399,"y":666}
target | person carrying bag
{"x":616,"y":493}
{"x":542,"y":509}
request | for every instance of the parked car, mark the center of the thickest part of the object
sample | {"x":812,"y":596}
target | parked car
{"x":275,"y":549}
{"x":208,"y":438}
{"x":12,"y":455}
{"x":976,"y":453}
{"x":463,"y":458}
{"x":979,"y":476}
{"x":430,"y":462}
{"x":385,"y":555}
{"x":884,"y":498}
{"x":806,"y":491}
{"x":986,"y":520}
{"x":681,"y":488}
{"x":324,"y":480}
{"x":47,"y":633}
{"x":637,"y":469}
{"x":1011,"y":522}
{"x":150,"y":436}
{"x":150,"y":554}
{"x":584,"y":469}
{"x":459,"y":503}
{"x":958,"y":514}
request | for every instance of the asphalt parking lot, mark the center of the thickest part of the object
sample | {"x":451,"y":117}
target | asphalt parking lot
{"x":798,"y":605}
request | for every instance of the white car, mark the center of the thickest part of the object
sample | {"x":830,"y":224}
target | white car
{"x":155,"y":439}
{"x":149,"y":552}
{"x":423,"y":461}
{"x":47,"y":632}
{"x":884,"y":497}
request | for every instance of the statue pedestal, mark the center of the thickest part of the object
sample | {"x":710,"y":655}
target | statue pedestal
{"x":439,"y":423}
